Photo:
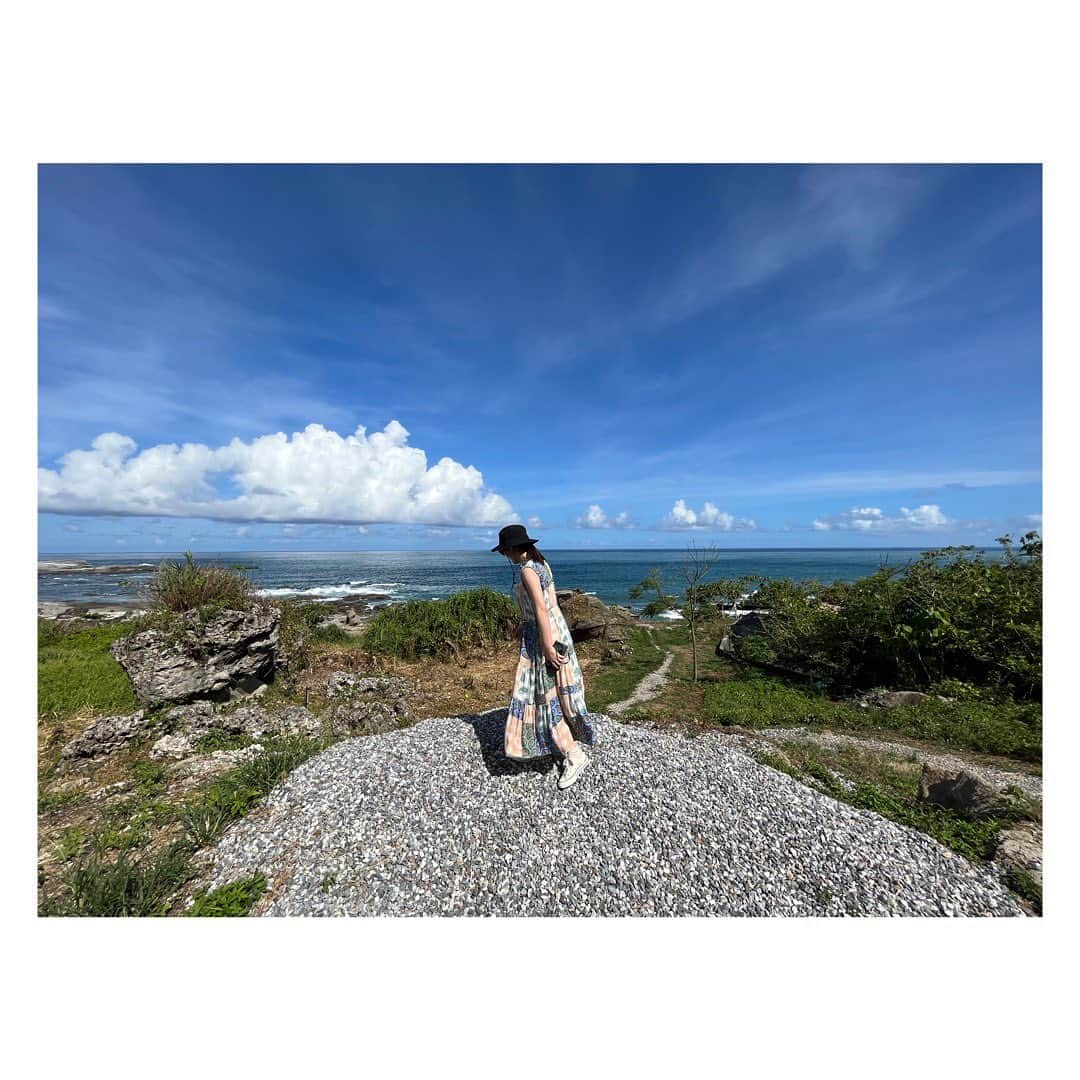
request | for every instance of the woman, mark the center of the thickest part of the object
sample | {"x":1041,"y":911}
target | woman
{"x":547,"y":713}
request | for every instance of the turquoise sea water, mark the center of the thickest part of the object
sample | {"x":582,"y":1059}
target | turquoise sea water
{"x":403,"y":575}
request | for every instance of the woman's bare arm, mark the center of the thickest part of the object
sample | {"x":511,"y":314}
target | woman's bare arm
{"x":531,"y":581}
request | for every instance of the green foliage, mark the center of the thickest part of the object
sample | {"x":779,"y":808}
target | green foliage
{"x":191,"y":586}
{"x":727,"y":591}
{"x":99,"y":885}
{"x":230,"y":901}
{"x":950,"y":616}
{"x":474,"y":618}
{"x":654,"y":583}
{"x":76,"y":670}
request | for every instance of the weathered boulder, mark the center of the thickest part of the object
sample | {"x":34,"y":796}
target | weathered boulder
{"x":194,"y":719}
{"x":220,"y":761}
{"x":589,"y":618}
{"x":1020,"y":848}
{"x":173,"y":746}
{"x":256,"y":721}
{"x":228,"y":656}
{"x":367,"y":705}
{"x":105,"y":735}
{"x":958,"y":790}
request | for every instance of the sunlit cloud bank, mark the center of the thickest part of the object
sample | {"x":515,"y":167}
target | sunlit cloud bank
{"x":315,"y":475}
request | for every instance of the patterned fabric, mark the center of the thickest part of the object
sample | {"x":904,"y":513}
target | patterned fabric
{"x":547,"y":711}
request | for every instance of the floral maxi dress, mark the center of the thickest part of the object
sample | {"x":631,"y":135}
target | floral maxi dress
{"x":547,"y":709}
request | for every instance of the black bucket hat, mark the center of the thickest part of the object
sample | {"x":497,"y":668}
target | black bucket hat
{"x":513,"y":536}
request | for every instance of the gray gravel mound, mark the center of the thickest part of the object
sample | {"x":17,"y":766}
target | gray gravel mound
{"x":433,"y":820}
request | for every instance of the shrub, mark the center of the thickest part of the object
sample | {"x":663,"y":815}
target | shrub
{"x":474,"y":618}
{"x":949,"y":617}
{"x":190,"y":586}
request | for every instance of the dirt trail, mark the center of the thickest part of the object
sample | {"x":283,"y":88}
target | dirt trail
{"x":649,"y":687}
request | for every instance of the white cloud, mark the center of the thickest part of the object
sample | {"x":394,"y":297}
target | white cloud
{"x":1035,"y":519}
{"x":534,"y":522}
{"x":708,"y":517}
{"x":315,"y":475}
{"x":923,"y":518}
{"x":595,"y":518}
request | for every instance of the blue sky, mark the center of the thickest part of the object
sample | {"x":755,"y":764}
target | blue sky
{"x":744,"y":356}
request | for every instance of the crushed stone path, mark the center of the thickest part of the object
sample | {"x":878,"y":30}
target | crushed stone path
{"x":1029,"y":783}
{"x":649,"y":687}
{"x":434,"y":820}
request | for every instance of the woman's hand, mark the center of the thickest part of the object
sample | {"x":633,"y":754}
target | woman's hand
{"x":554,"y":659}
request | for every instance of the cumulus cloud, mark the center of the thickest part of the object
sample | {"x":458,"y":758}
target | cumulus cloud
{"x":708,"y":517}
{"x":595,"y":518}
{"x":927,"y":517}
{"x":315,"y":475}
{"x":534,"y":522}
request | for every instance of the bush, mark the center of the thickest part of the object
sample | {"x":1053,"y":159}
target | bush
{"x":474,"y":618}
{"x":189,"y":586}
{"x":949,"y":617}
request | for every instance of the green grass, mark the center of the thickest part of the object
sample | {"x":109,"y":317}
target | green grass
{"x":76,"y":671}
{"x":230,"y":901}
{"x":1023,"y":884}
{"x":757,"y":701}
{"x":754,"y":700}
{"x":124,"y":885}
{"x":206,"y":587}
{"x":111,"y":878}
{"x":231,"y":796}
{"x":473,"y":618}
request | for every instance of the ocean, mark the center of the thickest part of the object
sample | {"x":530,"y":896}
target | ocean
{"x":426,"y":575}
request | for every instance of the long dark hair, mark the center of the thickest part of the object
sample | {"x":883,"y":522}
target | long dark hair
{"x":533,"y":552}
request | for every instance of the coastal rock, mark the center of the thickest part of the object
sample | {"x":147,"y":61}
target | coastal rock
{"x":220,"y":761}
{"x":104,"y":736}
{"x":230,"y":655}
{"x":1020,"y":848}
{"x":962,"y":790}
{"x":367,"y":705}
{"x":194,"y":719}
{"x":173,"y":746}
{"x":590,"y":619}
{"x":256,"y":721}
{"x":889,"y":699}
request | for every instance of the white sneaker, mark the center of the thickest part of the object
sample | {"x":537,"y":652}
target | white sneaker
{"x":572,"y":770}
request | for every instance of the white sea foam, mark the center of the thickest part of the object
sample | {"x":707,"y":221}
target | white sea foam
{"x":331,"y":592}
{"x":671,"y":614}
